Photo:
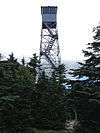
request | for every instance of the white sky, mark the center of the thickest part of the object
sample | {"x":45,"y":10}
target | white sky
{"x":20,"y":26}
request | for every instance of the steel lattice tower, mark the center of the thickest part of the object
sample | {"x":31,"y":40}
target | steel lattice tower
{"x":49,"y":46}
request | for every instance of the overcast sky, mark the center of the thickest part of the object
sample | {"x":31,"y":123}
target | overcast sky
{"x":20,"y":26}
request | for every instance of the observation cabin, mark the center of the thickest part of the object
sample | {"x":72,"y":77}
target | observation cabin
{"x":49,"y":16}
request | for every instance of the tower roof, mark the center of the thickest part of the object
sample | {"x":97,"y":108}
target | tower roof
{"x":48,"y":9}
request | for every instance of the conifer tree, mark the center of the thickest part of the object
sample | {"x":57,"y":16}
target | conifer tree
{"x":33,"y":65}
{"x":50,"y":100}
{"x":12,"y":58}
{"x":23,"y":61}
{"x":85,"y":95}
{"x":90,"y":69}
{"x":17,"y":94}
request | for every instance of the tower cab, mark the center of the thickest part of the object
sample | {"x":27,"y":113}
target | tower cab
{"x":49,"y":16}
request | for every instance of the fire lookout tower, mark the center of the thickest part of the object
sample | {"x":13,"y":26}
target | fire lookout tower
{"x":49,"y":46}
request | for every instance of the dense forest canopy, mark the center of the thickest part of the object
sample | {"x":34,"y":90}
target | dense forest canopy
{"x":29,"y":100}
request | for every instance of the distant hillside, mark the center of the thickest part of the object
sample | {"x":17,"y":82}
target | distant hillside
{"x":70,"y":65}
